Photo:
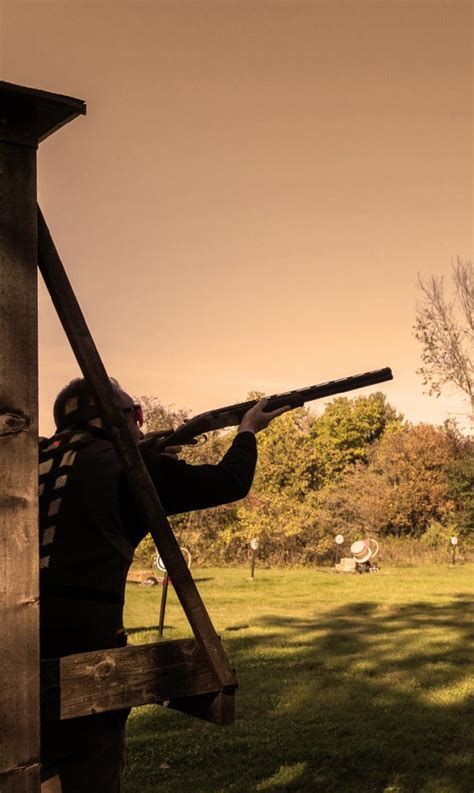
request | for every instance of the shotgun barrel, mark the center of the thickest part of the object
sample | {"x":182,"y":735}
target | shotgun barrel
{"x":231,"y":415}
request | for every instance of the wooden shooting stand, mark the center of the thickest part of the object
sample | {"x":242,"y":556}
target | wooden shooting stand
{"x":191,"y":675}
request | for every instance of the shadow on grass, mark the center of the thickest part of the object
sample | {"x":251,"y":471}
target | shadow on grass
{"x":151,"y":629}
{"x":363,"y":700}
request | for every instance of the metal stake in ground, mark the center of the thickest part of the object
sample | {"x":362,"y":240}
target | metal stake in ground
{"x":253,"y":556}
{"x":160,"y":565}
{"x":164,"y":595}
{"x":454,"y":542}
{"x":338,"y":539}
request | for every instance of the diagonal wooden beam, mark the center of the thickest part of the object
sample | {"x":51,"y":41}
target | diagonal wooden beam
{"x":146,"y":498}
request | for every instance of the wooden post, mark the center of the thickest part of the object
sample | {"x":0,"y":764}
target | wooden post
{"x":19,"y":652}
{"x":26,"y":117}
{"x":253,"y":554}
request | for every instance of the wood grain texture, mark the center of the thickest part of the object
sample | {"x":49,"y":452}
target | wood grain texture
{"x":27,"y":117}
{"x":19,"y":639}
{"x":87,"y":683}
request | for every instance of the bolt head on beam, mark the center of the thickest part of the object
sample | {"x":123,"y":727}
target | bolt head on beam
{"x":28,"y":116}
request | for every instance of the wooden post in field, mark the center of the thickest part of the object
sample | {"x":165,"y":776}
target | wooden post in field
{"x":26,"y":117}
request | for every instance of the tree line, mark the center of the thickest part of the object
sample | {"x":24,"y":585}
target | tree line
{"x":357,"y":469}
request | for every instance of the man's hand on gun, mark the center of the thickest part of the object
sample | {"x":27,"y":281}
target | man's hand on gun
{"x":255,"y":419}
{"x":150,"y":438}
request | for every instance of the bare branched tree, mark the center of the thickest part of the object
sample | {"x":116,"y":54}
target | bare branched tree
{"x":445,"y":327}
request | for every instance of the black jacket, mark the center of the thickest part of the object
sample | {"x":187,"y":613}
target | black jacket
{"x":89,"y":528}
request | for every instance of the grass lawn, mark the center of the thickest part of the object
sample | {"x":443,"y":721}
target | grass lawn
{"x":347,"y":683}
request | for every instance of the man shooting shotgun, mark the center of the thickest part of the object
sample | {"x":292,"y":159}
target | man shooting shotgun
{"x":90,"y":527}
{"x":232,"y":415}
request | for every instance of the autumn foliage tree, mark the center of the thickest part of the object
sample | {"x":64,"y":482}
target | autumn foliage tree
{"x":445,"y":328}
{"x":357,"y":468}
{"x":404,"y":487}
{"x":280,"y":510}
{"x":461,"y":486}
{"x":299,"y":456}
{"x":344,"y":433}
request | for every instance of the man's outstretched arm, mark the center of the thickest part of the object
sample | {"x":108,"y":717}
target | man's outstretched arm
{"x":183,"y":487}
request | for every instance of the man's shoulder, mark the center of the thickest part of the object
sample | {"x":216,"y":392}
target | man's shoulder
{"x":74,"y":446}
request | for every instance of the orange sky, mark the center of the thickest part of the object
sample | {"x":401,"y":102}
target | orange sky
{"x":254,"y":189}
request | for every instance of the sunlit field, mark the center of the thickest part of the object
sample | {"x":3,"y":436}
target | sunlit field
{"x":357,"y":683}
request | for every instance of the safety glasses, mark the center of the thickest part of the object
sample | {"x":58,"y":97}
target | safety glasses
{"x":137,"y":414}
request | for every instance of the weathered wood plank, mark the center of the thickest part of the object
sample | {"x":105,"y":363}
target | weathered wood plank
{"x":146,"y":498}
{"x":21,"y":779}
{"x":19,"y":643}
{"x":86,"y":683}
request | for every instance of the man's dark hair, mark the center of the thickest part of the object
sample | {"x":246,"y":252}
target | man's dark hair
{"x":85,"y":409}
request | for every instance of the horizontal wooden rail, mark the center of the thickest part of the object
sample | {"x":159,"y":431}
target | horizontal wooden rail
{"x":164,"y":673}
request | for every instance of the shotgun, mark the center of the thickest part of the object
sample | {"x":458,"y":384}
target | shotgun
{"x":231,"y":415}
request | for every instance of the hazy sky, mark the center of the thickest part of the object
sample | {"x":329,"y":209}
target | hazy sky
{"x":254,"y":189}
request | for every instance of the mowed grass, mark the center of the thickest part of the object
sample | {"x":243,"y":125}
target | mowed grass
{"x":347,"y":683}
